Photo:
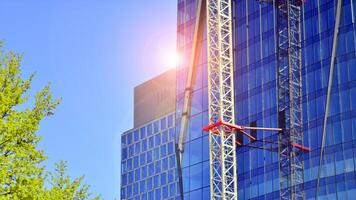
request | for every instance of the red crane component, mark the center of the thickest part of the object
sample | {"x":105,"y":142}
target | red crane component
{"x":301,"y":147}
{"x":278,"y":2}
{"x":241,"y":129}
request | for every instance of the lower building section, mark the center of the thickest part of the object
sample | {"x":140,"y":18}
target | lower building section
{"x":148,"y":166}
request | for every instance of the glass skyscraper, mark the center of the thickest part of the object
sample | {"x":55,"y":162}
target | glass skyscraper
{"x":255,"y":65}
{"x":149,"y":160}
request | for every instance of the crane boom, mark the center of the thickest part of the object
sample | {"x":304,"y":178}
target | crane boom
{"x":191,"y":76}
{"x":223,"y":183}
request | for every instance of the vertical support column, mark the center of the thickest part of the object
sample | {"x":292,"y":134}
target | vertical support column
{"x":223,"y":184}
{"x":290,"y":99}
{"x":227,"y":99}
{"x":214,"y":98}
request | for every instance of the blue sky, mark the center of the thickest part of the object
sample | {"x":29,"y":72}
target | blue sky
{"x":93,"y":52}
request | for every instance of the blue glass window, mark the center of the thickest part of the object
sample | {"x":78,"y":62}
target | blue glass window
{"x":164,"y":136}
{"x":124,"y":153}
{"x":137,"y":174}
{"x":158,"y":193}
{"x":149,"y":184}
{"x":205,"y":148}
{"x":170,"y":148}
{"x":156,"y":181}
{"x":151,"y":169}
{"x":137,"y":148}
{"x":129,"y":164}
{"x":123,"y":140}
{"x":150,"y":195}
{"x":163,"y":150}
{"x":144,"y":196}
{"x":196,"y":194}
{"x":136,"y":136}
{"x":206,"y":193}
{"x":142,"y":186}
{"x":172,"y":189}
{"x":186,"y":179}
{"x":131,"y":177}
{"x":156,"y":126}
{"x":172,"y":162}
{"x":143,"y":132}
{"x":165,"y":164}
{"x":163,"y":124}
{"x":156,"y":153}
{"x":195,"y":126}
{"x":124,"y":179}
{"x":149,"y":130}
{"x":196,"y":178}
{"x":197,"y":102}
{"x":171,"y":134}
{"x":135,"y":160}
{"x":353,"y":97}
{"x":144,"y":171}
{"x":129,"y":138}
{"x":163,"y":178}
{"x":151,"y":142}
{"x":149,"y":156}
{"x":129,"y":190}
{"x":170,"y":120}
{"x":196,"y":151}
{"x":157,"y":139}
{"x":170,"y":176}
{"x":158,"y":166}
{"x":206,"y":174}
{"x":144,"y":145}
{"x":165,"y":192}
{"x":143,"y":159}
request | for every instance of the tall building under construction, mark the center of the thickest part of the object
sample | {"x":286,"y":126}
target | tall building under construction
{"x":320,"y":156}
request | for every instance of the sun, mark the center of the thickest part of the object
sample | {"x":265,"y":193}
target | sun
{"x":173,"y":59}
{"x":170,"y":59}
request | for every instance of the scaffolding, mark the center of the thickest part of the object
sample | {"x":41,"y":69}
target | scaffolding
{"x":290,"y":99}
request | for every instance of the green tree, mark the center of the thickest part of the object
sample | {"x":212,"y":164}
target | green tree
{"x":21,"y":173}
{"x":62,"y":187}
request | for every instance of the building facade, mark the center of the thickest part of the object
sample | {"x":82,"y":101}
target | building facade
{"x":148,"y":157}
{"x":149,"y":161}
{"x":148,"y":165}
{"x":255,"y":64}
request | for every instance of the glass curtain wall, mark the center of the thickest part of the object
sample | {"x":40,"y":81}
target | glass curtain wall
{"x":148,"y":163}
{"x":256,"y":101}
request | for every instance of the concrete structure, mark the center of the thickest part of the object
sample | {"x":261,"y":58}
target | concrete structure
{"x":155,"y":98}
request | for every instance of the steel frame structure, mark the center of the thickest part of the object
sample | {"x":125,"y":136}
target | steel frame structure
{"x":223,"y":183}
{"x":290,"y":99}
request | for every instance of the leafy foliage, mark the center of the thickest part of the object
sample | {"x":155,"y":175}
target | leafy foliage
{"x":21,"y":173}
{"x":63,"y":188}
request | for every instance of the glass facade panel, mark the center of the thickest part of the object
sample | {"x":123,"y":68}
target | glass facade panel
{"x":149,"y":170}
